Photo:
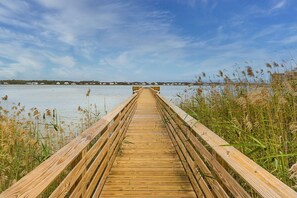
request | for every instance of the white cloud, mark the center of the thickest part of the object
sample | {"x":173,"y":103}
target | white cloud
{"x":15,"y":13}
{"x":289,"y":40}
{"x":65,"y":61}
{"x":75,"y":20}
{"x":193,"y":3}
{"x":56,"y":4}
{"x":9,"y":36}
{"x":14,"y":7}
{"x":280,"y":4}
{"x":22,"y":64}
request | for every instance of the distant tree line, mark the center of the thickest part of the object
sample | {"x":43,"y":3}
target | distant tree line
{"x":56,"y":82}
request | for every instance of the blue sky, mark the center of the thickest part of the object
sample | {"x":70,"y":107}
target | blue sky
{"x":142,"y":40}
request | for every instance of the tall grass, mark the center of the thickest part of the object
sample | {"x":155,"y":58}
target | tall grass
{"x":27,"y":138}
{"x":256,"y":115}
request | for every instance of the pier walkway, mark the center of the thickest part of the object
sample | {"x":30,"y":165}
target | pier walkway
{"x":148,"y":147}
{"x":147,"y":163}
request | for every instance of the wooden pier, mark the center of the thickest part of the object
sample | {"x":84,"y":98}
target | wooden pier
{"x":148,"y":147}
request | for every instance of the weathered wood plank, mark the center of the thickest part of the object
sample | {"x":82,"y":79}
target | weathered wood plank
{"x":149,"y":194}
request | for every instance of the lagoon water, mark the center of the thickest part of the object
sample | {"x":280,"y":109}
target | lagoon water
{"x":67,"y":98}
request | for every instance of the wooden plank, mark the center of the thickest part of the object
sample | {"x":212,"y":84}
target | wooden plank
{"x":183,"y":178}
{"x":166,"y":181}
{"x":148,"y":186}
{"x":150,"y":194}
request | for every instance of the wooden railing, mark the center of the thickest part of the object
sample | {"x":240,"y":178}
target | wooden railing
{"x":81,"y":167}
{"x":214,"y":169}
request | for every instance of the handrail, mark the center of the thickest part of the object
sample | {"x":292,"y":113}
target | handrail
{"x":214,"y":169}
{"x":82,"y":166}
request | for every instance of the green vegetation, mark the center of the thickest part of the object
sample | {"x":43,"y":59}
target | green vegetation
{"x":27,"y":138}
{"x":259,"y":119}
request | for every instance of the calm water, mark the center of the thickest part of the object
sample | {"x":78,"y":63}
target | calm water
{"x":66,"y":99}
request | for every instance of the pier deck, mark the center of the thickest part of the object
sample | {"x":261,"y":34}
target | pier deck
{"x":147,"y":163}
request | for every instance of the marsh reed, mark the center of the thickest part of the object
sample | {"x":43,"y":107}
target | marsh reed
{"x":28,"y":137}
{"x":255,"y":111}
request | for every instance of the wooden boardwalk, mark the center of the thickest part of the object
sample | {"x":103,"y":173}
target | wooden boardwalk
{"x":148,"y":147}
{"x":147,"y":164}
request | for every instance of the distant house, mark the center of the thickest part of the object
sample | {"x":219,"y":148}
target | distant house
{"x":42,"y":83}
{"x":5,"y":83}
{"x":66,"y":83}
{"x":31,"y":83}
{"x":73,"y":83}
{"x":58,"y":83}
